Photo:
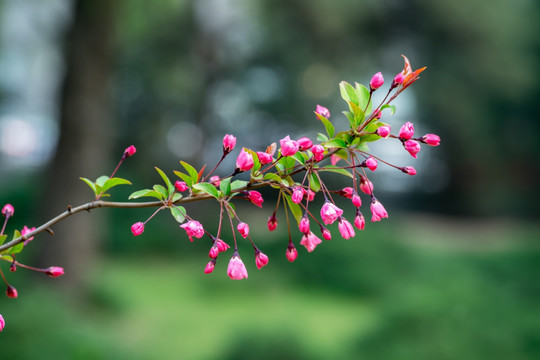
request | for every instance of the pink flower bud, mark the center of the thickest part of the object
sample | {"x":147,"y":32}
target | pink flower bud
{"x":334,"y":159}
{"x":229,"y":142}
{"x":243,"y":229}
{"x":378,"y":212}
{"x":193,"y":228}
{"x":431,"y":139}
{"x":221,"y":245}
{"x":54,"y":271}
{"x":371,"y":163}
{"x":244,"y":161}
{"x":214,"y":252}
{"x":359,"y":221}
{"x":261,"y":259}
{"x":383,"y":131}
{"x":366,"y":186}
{"x":237,"y":269}
{"x":180,"y":186}
{"x":26,"y":231}
{"x":291,"y":252}
{"x":8,"y":210}
{"x":2,"y":322}
{"x":272,"y":222}
{"x":409,"y":170}
{"x":215,"y":180}
{"x":398,"y":79}
{"x":327,"y":235}
{"x":376,"y":81}
{"x":318,"y":152}
{"x":210,"y":266}
{"x":11,"y":292}
{"x":298,"y":194}
{"x":130,"y":151}
{"x":255,"y":197}
{"x":305,"y":143}
{"x":321,"y":110}
{"x":137,"y":228}
{"x":309,"y":195}
{"x":288,"y":147}
{"x":407,"y":131}
{"x":303,"y":226}
{"x":356,"y":200}
{"x":264,"y":158}
{"x":346,"y":192}
{"x":345,"y":228}
{"x":377,"y":114}
{"x":330,"y":213}
{"x":412,"y":146}
{"x":310,"y":241}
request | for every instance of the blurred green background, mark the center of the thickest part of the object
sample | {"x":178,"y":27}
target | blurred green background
{"x":452,"y":274}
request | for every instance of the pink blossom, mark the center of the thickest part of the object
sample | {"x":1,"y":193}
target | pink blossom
{"x":366,"y":186}
{"x":327,"y":235}
{"x":376,"y":81}
{"x":244,"y":161}
{"x":215,"y":180}
{"x":180,"y":186}
{"x":377,"y":114}
{"x":346,"y":192}
{"x":229,"y":141}
{"x":407,"y":131}
{"x":305,"y":143}
{"x":243,"y":229}
{"x":309,"y":195}
{"x":345,"y":228}
{"x":330,"y":213}
{"x":221,"y":245}
{"x":318,"y":152}
{"x":2,"y":322}
{"x":303,"y":226}
{"x":255,"y":197}
{"x":321,"y":110}
{"x":11,"y":292}
{"x":398,"y":79}
{"x":431,"y":139}
{"x":334,"y":159}
{"x":371,"y":163}
{"x":412,"y":146}
{"x":288,"y":147}
{"x":272,"y":222}
{"x":359,"y":221}
{"x":310,"y":241}
{"x":298,"y":194}
{"x":137,"y":228}
{"x":193,"y":228}
{"x":214,"y":252}
{"x":261,"y":259}
{"x":8,"y":210}
{"x":356,"y":200}
{"x":291,"y":252}
{"x":130,"y":151}
{"x":409,"y":170}
{"x":54,"y":271}
{"x":25,"y":230}
{"x":378,"y":212}
{"x":210,"y":266}
{"x":383,"y":131}
{"x":237,"y":269}
{"x":264,"y":158}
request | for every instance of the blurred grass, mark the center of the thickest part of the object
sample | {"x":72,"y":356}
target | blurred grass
{"x":412,"y":288}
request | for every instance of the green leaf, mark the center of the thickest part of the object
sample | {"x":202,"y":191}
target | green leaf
{"x":391,"y":107}
{"x":91,"y":184}
{"x":186,"y":178}
{"x":101,"y":180}
{"x":179,"y":213}
{"x":176,"y":197}
{"x":256,"y":162}
{"x":2,"y":239}
{"x":348,"y":93}
{"x":162,"y":191}
{"x":332,"y":168}
{"x":314,"y":182}
{"x":15,"y":249}
{"x":322,"y":137}
{"x":225,"y":186}
{"x":358,"y":115}
{"x":276,"y":178}
{"x":298,"y":156}
{"x":327,"y":125}
{"x":363,"y":96}
{"x":191,"y":171}
{"x":296,"y":211}
{"x":335,"y":143}
{"x":110,"y":183}
{"x":170,"y":186}
{"x":146,"y":193}
{"x":287,"y":162}
{"x":207,"y":188}
{"x":238,"y":184}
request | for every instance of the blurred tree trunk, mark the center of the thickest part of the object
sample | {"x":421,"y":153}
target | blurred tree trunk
{"x":85,"y":140}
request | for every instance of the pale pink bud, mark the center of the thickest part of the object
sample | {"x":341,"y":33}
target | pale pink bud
{"x":261,"y":259}
{"x":407,"y":131}
{"x":305,"y":143}
{"x":376,"y":81}
{"x":359,"y":221}
{"x":356,"y":200}
{"x":244,"y":161}
{"x":26,"y":231}
{"x":318,"y":152}
{"x":291,"y":252}
{"x":431,"y":139}
{"x":346,"y":192}
{"x":334,"y":159}
{"x":180,"y":186}
{"x":321,"y":110}
{"x":288,"y":147}
{"x":412,"y":146}
{"x":303,"y":226}
{"x":11,"y":292}
{"x":366,"y":186}
{"x":398,"y":79}
{"x":236,"y":269}
{"x":210,"y":266}
{"x":54,"y":271}
{"x":330,"y":213}
{"x":327,"y":235}
{"x":243,"y":229}
{"x":298,"y":194}
{"x":8,"y":210}
{"x":137,"y":228}
{"x":193,"y":228}
{"x":255,"y":197}
{"x":378,"y":212}
{"x":2,"y":322}
{"x":310,"y":241}
{"x":264,"y":158}
{"x":383,"y":131}
{"x":272,"y":222}
{"x":409,"y":170}
{"x":130,"y":151}
{"x":377,"y":114}
{"x":345,"y":228}
{"x":371,"y":163}
{"x":229,"y":142}
{"x":215,"y":180}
